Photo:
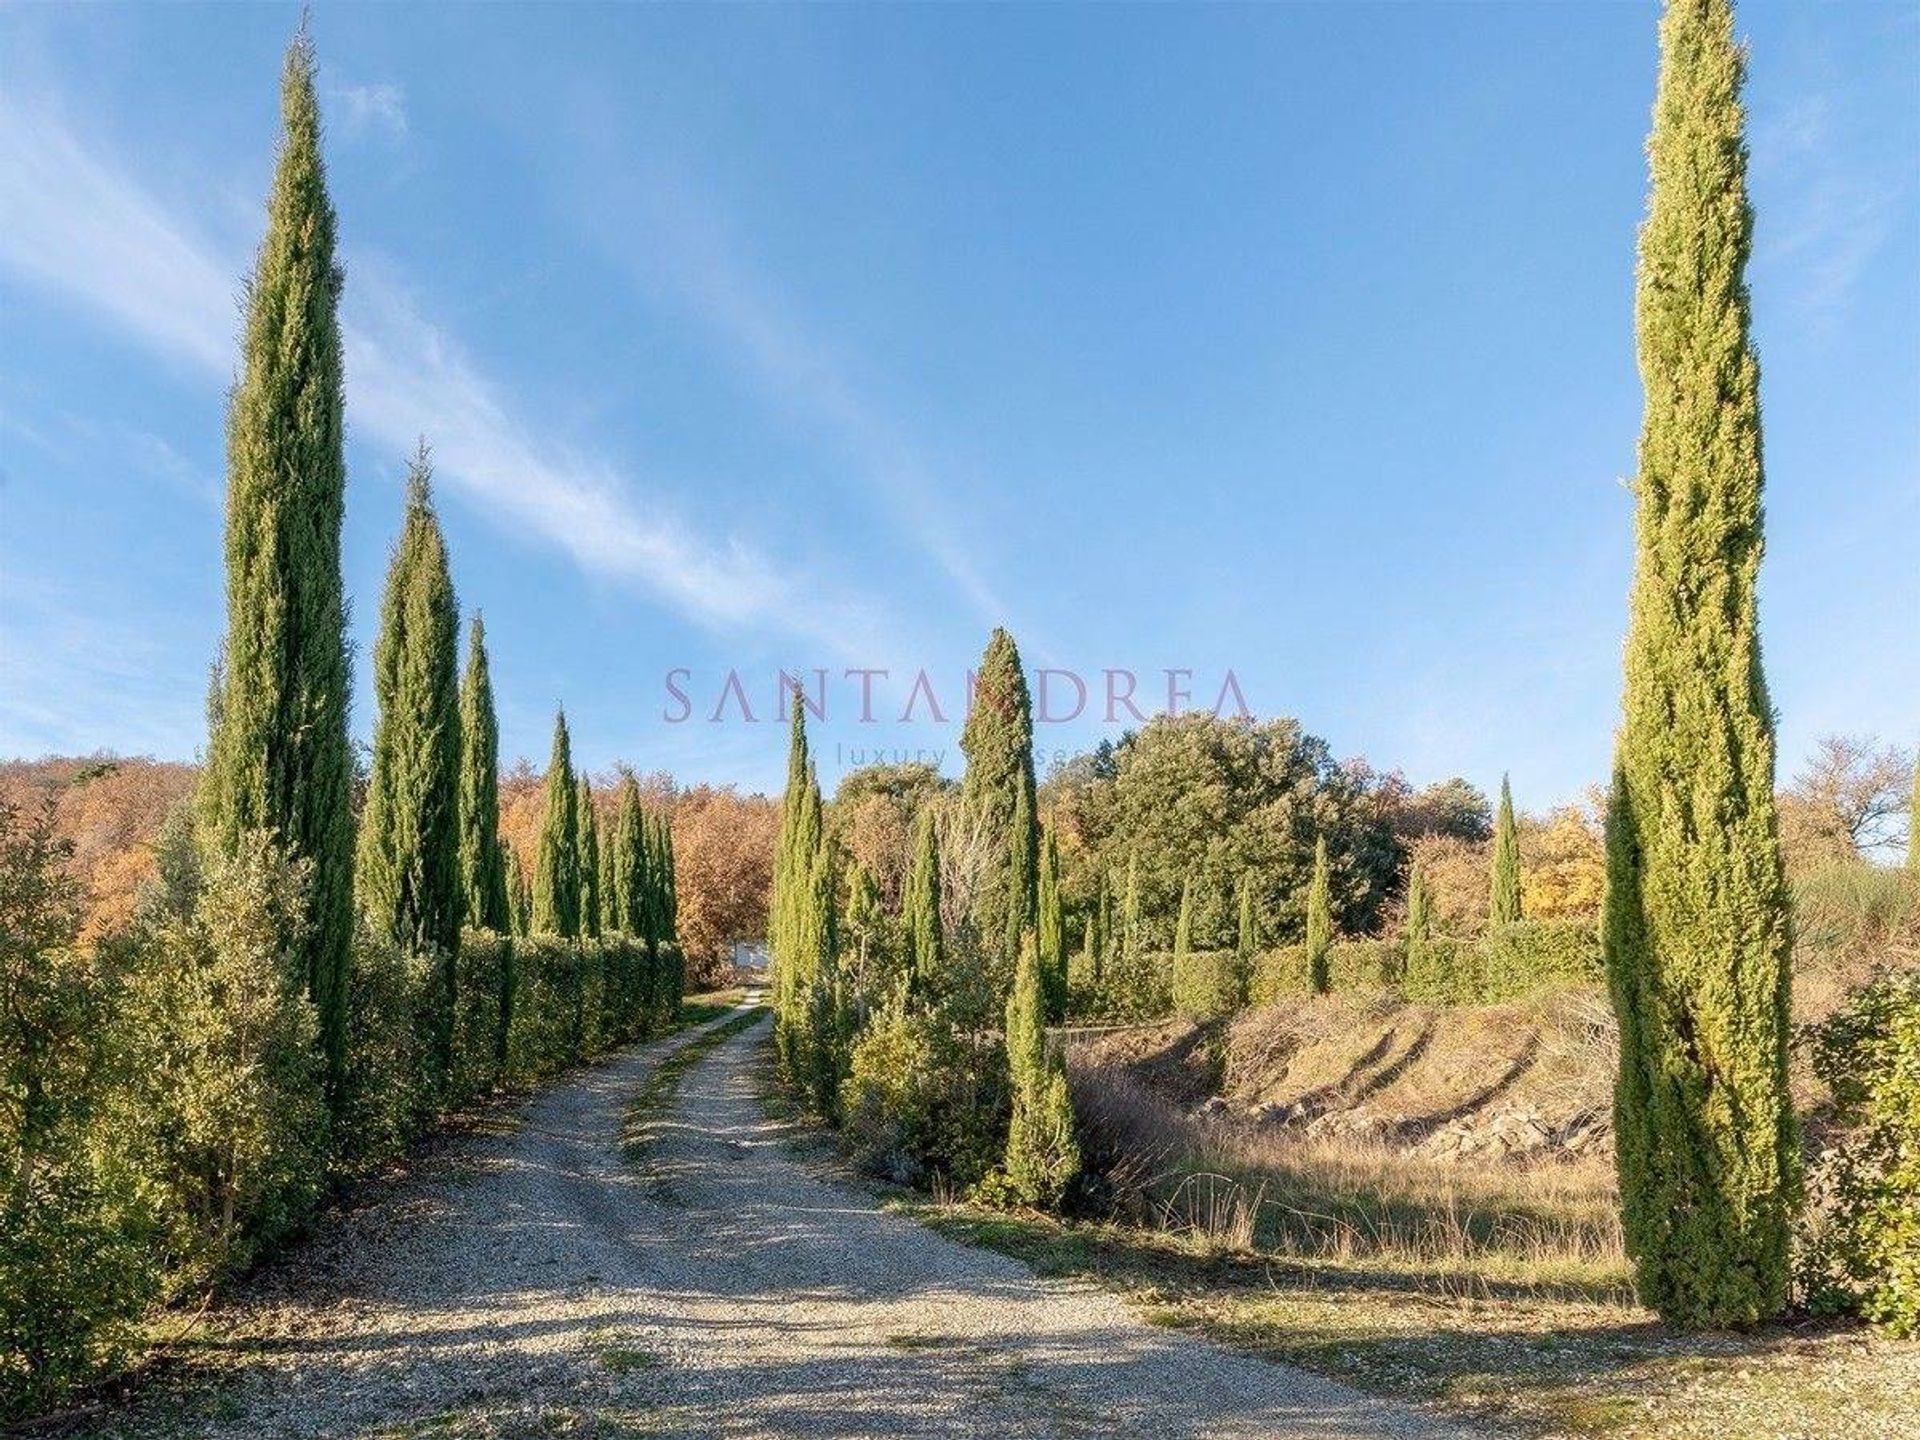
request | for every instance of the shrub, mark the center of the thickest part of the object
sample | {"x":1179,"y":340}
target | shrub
{"x":1442,"y":971}
{"x":1531,"y":955}
{"x":921,"y":1100}
{"x":384,"y":1099}
{"x":1365,"y":964}
{"x":481,"y":1013}
{"x":1862,"y":1253}
{"x":1207,"y":984}
{"x":1279,"y":973}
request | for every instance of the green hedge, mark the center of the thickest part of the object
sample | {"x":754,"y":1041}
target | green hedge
{"x":1511,"y":961}
{"x":1208,"y":984}
{"x":1531,"y":955}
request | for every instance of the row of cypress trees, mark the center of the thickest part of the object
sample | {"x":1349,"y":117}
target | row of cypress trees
{"x":428,"y":857}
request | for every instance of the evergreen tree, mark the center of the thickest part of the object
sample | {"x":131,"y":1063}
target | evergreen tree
{"x":1913,"y":820}
{"x":483,"y":860}
{"x":407,"y":876}
{"x":669,"y":883}
{"x":1696,"y":925}
{"x":795,"y":924}
{"x":625,"y":895}
{"x":924,"y":940}
{"x":587,"y":847}
{"x":1136,"y":984}
{"x":1505,"y":904}
{"x":997,"y":796}
{"x":520,"y":896}
{"x":1043,"y":1156}
{"x":556,"y":874}
{"x":1050,"y":933}
{"x":1183,"y":926}
{"x":1419,"y":908}
{"x":279,"y":760}
{"x":1320,"y":921}
{"x":1246,"y":944}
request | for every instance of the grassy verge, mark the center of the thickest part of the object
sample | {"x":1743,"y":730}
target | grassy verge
{"x":1532,"y":1363}
{"x":644,"y":1113}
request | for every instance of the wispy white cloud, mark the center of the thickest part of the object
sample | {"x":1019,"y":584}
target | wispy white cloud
{"x":360,"y":109}
{"x":81,"y":227}
{"x":693,"y":264}
{"x":1826,"y":221}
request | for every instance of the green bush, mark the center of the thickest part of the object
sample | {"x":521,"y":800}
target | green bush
{"x":480,"y":996}
{"x":1207,"y":984}
{"x":922,"y":1100}
{"x":1442,"y":971}
{"x":1365,"y":964}
{"x":1862,"y":1251}
{"x":1531,"y":955}
{"x":1280,"y":973}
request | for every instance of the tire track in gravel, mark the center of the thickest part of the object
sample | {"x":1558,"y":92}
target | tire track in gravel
{"x":541,"y":1285}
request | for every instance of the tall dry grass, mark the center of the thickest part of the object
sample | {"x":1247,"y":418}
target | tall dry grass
{"x":1225,"y":1183}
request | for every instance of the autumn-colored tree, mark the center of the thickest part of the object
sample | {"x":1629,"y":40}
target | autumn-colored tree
{"x":279,"y":761}
{"x":1697,"y":926}
{"x":723,"y":844}
{"x":407,"y":879}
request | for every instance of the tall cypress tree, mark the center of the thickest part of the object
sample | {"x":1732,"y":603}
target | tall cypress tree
{"x":997,"y":794}
{"x":1042,"y":1156}
{"x":279,"y":761}
{"x":407,"y":876}
{"x":1246,"y":944}
{"x":1696,"y":925}
{"x":1419,"y":908}
{"x":587,"y":847}
{"x":1136,"y":985}
{"x":519,"y":896}
{"x":1183,"y":925}
{"x":669,"y":883}
{"x":925,"y":942}
{"x":1320,"y":921}
{"x":1913,"y":820}
{"x":556,"y":874}
{"x":795,"y":923}
{"x":1504,"y":905}
{"x":1050,"y":930}
{"x":483,"y":859}
{"x":629,"y":852}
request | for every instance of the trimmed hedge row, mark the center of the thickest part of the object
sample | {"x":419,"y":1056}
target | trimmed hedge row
{"x":1503,"y":964}
{"x":528,"y":1006}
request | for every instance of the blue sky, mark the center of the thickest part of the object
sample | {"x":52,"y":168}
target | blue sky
{"x":1294,"y":341}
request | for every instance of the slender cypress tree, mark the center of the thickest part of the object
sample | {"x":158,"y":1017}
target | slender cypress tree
{"x":483,"y":859}
{"x":1246,"y":944}
{"x":1043,"y":1156}
{"x":279,"y":761}
{"x":795,"y":922}
{"x":407,"y":876}
{"x":520,"y":896}
{"x":669,"y":883}
{"x":1696,"y":925}
{"x":1136,"y":984}
{"x":925,"y":944}
{"x":629,"y":852}
{"x":1320,"y":921}
{"x":1419,"y":908}
{"x":1050,"y":932}
{"x":587,"y":847}
{"x":997,"y":793}
{"x":1504,"y":907}
{"x":1913,"y":820}
{"x":605,"y":885}
{"x":1183,"y":925}
{"x":556,"y":874}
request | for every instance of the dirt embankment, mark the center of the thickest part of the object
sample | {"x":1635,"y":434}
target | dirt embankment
{"x":1523,"y":1081}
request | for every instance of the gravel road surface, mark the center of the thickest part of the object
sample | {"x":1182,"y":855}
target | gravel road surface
{"x":534,"y":1282}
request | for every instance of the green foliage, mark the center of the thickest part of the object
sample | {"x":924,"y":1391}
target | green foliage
{"x":521,"y":895}
{"x":1697,"y":924}
{"x":923,"y":1100}
{"x":1532,"y":955}
{"x":1863,"y":1251}
{"x":1319,"y":945}
{"x":407,"y":875}
{"x":1050,"y":930}
{"x":73,"y":1273}
{"x":586,"y":848}
{"x":278,"y":760}
{"x":1504,"y":906}
{"x":624,"y":897}
{"x":997,"y":796}
{"x":483,"y":859}
{"x":925,"y":942}
{"x":1208,"y":984}
{"x":556,"y":876}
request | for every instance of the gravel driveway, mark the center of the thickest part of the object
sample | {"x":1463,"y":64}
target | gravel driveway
{"x":534,"y":1283}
